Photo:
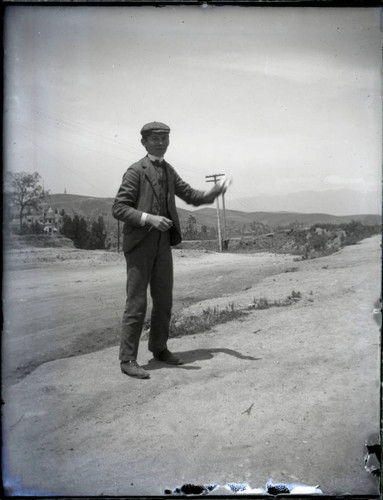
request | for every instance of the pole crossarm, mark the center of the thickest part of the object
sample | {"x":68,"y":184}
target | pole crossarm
{"x":214,"y":177}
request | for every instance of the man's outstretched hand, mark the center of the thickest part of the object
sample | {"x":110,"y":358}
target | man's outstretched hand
{"x":159,"y":222}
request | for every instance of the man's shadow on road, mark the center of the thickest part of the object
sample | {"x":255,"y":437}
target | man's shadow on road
{"x":196,"y":355}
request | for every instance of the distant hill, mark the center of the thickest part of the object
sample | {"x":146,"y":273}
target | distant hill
{"x":208,"y":216}
{"x":92,"y":208}
{"x":332,"y":201}
{"x":85,"y":206}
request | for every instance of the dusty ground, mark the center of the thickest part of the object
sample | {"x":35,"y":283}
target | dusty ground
{"x":75,"y":298}
{"x":307,"y":374}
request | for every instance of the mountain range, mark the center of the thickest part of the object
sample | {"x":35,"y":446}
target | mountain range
{"x":92,"y":208}
{"x":334,"y":202}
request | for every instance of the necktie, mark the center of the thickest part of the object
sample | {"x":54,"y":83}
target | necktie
{"x":161,"y":178}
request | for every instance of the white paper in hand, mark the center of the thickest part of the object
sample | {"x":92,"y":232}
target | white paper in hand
{"x":224,"y":183}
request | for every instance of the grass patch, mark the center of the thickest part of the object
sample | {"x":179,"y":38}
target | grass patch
{"x":264,"y":303}
{"x":181,"y":326}
{"x":212,"y":316}
{"x":292,"y":270}
{"x":209,"y":317}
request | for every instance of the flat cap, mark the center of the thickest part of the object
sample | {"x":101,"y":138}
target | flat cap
{"x":155,"y":128}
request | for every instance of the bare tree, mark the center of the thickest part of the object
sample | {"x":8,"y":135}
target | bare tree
{"x":24,"y":191}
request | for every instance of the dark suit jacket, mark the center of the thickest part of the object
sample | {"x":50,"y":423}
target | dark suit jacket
{"x":139,"y":192}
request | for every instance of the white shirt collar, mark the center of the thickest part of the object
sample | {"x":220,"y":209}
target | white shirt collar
{"x":155,"y":158}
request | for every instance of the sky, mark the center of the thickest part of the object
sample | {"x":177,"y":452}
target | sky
{"x":281,"y":100}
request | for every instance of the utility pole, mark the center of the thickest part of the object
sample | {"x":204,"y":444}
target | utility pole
{"x":118,"y":236}
{"x":224,"y":221}
{"x":214,"y":178}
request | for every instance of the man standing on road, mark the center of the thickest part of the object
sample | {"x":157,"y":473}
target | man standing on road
{"x":145,"y":203}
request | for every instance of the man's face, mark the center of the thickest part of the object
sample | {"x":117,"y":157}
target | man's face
{"x":156,"y":144}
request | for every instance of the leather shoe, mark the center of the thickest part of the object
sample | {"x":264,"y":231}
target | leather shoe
{"x":132,"y":369}
{"x":167,"y":357}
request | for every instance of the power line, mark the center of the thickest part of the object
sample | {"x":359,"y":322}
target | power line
{"x":64,"y":165}
{"x":73,"y":144}
{"x":56,"y":119}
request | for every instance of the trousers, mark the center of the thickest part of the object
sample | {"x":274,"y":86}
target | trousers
{"x":150,"y":263}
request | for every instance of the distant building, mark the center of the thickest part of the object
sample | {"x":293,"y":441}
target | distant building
{"x":52,"y":221}
{"x":49,"y":219}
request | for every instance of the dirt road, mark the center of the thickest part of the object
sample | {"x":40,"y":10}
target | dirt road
{"x":289,"y":393}
{"x":63,"y":302}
